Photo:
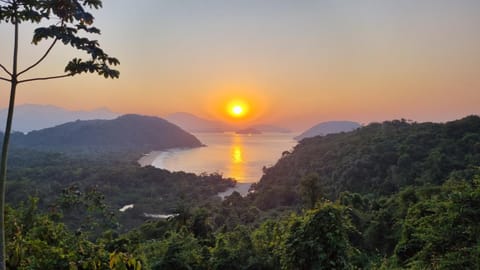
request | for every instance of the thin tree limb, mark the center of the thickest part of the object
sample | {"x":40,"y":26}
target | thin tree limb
{"x":41,"y":58}
{"x":46,"y":78}
{"x":5,"y":69}
{"x":6,"y":140}
{"x":5,"y":79}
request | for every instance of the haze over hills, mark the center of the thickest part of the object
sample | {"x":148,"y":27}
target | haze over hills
{"x":193,"y":123}
{"x":28,"y":117}
{"x":329,"y":127}
{"x":127,"y":132}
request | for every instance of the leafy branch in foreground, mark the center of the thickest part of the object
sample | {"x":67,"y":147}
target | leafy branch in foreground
{"x":69,"y":22}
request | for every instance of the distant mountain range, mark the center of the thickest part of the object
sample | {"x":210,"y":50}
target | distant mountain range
{"x":127,"y":132}
{"x":193,"y":123}
{"x":30,"y":117}
{"x":329,"y":127}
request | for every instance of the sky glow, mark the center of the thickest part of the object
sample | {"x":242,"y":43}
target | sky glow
{"x":296,"y":62}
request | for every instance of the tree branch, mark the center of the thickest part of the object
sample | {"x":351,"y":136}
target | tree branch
{"x":5,"y":69}
{"x":41,"y":58}
{"x":46,"y":78}
{"x":5,"y":79}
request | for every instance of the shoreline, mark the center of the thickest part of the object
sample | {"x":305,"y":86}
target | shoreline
{"x":237,"y":156}
{"x":241,"y":188}
{"x":150,"y":158}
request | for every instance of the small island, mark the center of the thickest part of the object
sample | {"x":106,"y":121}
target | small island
{"x":248,"y":131}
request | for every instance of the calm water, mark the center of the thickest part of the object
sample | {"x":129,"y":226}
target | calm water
{"x":233,"y":155}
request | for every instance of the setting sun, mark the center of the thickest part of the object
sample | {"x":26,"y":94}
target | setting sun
{"x":237,"y":109}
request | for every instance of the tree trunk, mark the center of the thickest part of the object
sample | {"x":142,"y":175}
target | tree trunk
{"x":6,"y":140}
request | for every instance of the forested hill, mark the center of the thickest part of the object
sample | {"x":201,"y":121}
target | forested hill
{"x":127,"y":132}
{"x":379,"y":158}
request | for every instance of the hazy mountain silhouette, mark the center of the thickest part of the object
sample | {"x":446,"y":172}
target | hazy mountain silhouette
{"x":127,"y":132}
{"x":329,"y":127}
{"x":28,"y":117}
{"x":193,"y":123}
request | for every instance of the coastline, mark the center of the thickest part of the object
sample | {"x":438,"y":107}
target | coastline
{"x":150,"y":158}
{"x":237,"y":156}
{"x":241,"y":188}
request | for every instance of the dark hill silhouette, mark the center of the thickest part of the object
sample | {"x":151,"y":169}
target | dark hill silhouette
{"x":127,"y":132}
{"x":329,"y":127}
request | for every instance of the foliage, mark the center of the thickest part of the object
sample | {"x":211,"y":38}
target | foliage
{"x":35,"y":241}
{"x":178,"y":250}
{"x":68,"y":21}
{"x":443,"y":231}
{"x":233,"y":250}
{"x":122,"y":261}
{"x":317,"y":240}
{"x":310,"y":189}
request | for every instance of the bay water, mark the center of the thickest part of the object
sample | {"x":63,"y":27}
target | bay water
{"x":238,"y":156}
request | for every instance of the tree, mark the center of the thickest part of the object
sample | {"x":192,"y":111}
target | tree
{"x":69,"y":22}
{"x":177,"y":250}
{"x":317,"y":240}
{"x":234,"y":250}
{"x":443,"y":231}
{"x":310,"y":189}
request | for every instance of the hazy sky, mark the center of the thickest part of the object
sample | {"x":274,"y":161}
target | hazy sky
{"x":295,"y":62}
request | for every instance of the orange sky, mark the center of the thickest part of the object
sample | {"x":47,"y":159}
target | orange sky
{"x":295,"y":62}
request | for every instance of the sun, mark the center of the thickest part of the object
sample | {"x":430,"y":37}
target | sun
{"x":237,"y":109}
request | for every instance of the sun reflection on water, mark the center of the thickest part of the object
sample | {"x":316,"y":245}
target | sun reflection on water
{"x":233,"y":155}
{"x":237,"y":154}
{"x":237,"y":161}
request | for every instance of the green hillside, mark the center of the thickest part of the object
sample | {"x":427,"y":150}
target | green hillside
{"x":380,"y":158}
